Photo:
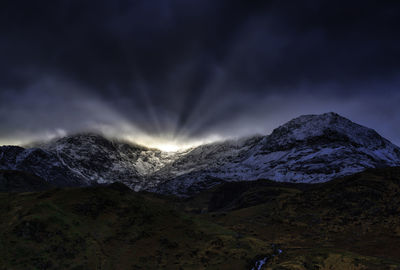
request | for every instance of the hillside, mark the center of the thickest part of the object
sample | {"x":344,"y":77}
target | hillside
{"x":113,"y":228}
{"x":348,"y":223}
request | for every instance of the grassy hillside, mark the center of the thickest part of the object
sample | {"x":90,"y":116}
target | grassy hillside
{"x":349,"y":223}
{"x":113,"y":228}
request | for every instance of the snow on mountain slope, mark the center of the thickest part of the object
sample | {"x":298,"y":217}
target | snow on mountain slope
{"x":307,"y":149}
{"x":87,"y":159}
{"x":99,"y":160}
{"x":38,"y":162}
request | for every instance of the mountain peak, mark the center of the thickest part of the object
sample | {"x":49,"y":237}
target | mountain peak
{"x":82,"y":137}
{"x":316,"y":122}
{"x":90,"y":139}
{"x":328,"y":127}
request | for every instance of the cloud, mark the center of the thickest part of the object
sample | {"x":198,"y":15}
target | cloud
{"x":193,"y":71}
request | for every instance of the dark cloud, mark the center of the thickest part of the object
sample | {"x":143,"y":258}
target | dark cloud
{"x":195,"y":69}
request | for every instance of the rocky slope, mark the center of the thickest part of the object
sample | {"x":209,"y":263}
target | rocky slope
{"x":98,"y":160}
{"x":86,"y":159}
{"x":39,"y":162}
{"x":308,"y":149}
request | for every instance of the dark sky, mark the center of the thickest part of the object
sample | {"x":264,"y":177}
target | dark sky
{"x":194,"y":70}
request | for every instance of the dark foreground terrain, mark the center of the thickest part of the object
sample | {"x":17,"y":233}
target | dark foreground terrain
{"x":348,"y":223}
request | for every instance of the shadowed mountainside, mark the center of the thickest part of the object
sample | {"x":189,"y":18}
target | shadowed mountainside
{"x":18,"y":181}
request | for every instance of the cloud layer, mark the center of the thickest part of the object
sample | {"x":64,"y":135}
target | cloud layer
{"x":194,"y":70}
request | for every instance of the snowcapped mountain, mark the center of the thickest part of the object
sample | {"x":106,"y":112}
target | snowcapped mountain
{"x":308,"y":149}
{"x":38,"y":162}
{"x":87,"y":159}
{"x":98,"y":160}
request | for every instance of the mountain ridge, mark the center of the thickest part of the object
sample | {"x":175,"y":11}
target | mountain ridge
{"x":307,"y":149}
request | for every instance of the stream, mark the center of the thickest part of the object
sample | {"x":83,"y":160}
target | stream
{"x":260,"y":263}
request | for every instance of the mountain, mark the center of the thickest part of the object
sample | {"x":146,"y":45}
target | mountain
{"x":96,"y":159}
{"x":39,"y":162}
{"x":344,"y":224}
{"x":86,"y":159}
{"x":307,"y":149}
